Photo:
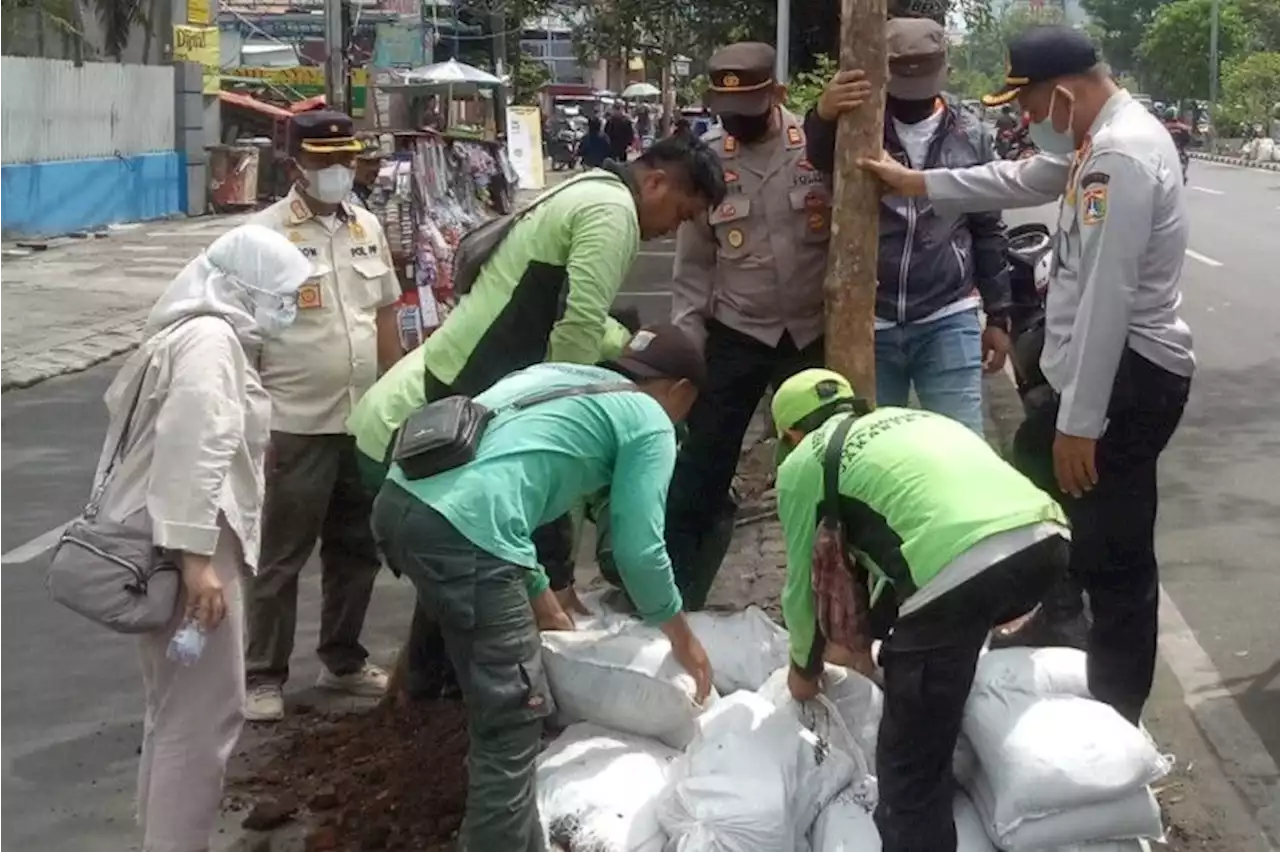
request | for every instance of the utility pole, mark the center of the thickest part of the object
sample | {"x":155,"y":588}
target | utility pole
{"x":1213,"y":71}
{"x":782,"y":49}
{"x":335,"y":63}
{"x":850,"y":286}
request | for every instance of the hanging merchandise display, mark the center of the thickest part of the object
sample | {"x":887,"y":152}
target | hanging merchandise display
{"x":432,"y":192}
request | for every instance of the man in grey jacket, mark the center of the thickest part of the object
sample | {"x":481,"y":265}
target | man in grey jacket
{"x":928,"y":334}
{"x":1117,"y":353}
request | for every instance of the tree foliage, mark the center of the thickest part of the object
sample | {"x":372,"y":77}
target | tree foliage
{"x":1250,"y":90}
{"x":806,"y":86}
{"x":1121,"y":24}
{"x":977,"y":66}
{"x":1262,"y":17}
{"x":1175,"y":49}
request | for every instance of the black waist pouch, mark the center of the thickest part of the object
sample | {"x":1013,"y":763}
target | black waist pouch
{"x":440,"y":436}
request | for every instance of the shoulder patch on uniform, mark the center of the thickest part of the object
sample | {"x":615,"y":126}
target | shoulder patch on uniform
{"x":1094,"y":205}
{"x":1094,"y":178}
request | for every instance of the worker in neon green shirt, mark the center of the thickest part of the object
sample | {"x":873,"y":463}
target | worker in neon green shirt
{"x":464,"y":538}
{"x":921,"y":520}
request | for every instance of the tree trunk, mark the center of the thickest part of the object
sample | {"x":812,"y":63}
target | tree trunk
{"x":850,"y":285}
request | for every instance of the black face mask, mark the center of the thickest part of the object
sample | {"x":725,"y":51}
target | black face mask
{"x":747,"y":128}
{"x":910,"y":112}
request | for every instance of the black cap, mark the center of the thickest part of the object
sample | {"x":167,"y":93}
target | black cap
{"x":662,"y":352}
{"x":742,"y":81}
{"x":1040,"y":54}
{"x":322,"y":132}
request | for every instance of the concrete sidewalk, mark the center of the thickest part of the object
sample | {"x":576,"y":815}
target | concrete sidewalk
{"x":82,"y":301}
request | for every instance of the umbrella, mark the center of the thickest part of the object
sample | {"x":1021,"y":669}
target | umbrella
{"x":451,"y":72}
{"x":641,"y":90}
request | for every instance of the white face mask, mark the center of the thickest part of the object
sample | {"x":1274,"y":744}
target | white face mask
{"x":331,"y":184}
{"x":273,"y":312}
{"x":1046,"y":137}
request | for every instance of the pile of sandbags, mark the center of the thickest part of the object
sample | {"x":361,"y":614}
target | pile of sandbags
{"x":646,"y":769}
{"x":1054,"y":767}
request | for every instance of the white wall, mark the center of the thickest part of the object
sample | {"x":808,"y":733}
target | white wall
{"x":52,"y":110}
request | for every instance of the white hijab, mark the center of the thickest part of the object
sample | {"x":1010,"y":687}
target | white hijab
{"x":217,"y":282}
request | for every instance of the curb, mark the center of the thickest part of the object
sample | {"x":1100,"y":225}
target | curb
{"x":1235,"y":161}
{"x":100,"y":343}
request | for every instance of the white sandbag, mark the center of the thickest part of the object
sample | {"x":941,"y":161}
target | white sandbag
{"x":602,"y":616}
{"x":1125,"y":818}
{"x":964,"y":763}
{"x":627,"y":681}
{"x":753,"y":780}
{"x":1042,"y":755}
{"x":857,"y":699}
{"x":1040,"y":671}
{"x":598,"y":789}
{"x":846,"y":826}
{"x":744,"y":647}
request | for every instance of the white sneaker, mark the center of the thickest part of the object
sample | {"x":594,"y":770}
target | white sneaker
{"x":368,"y":682}
{"x":264,"y":703}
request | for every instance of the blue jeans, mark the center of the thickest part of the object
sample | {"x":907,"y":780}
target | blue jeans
{"x":942,"y":359}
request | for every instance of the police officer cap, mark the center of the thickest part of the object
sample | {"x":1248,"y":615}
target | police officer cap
{"x":742,"y":79}
{"x":322,"y":132}
{"x":1041,"y":54}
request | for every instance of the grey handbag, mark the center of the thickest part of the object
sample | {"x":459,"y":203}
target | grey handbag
{"x":111,"y":572}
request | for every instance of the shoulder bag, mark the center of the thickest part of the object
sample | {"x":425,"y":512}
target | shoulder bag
{"x":445,"y":434}
{"x":111,"y":572}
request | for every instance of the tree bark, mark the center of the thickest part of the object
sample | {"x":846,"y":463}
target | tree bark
{"x":850,"y":285}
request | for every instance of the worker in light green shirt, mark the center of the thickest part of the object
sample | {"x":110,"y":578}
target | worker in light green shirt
{"x":907,"y":511}
{"x":545,"y":293}
{"x":464,"y":538}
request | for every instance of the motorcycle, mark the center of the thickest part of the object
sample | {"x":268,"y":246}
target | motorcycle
{"x":1185,"y":159}
{"x":563,"y":148}
{"x":1019,"y":145}
{"x":1029,"y":256}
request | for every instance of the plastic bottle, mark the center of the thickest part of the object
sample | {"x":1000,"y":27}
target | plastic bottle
{"x":187,"y":643}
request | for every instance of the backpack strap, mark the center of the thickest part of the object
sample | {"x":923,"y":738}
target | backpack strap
{"x":562,"y":393}
{"x":831,"y":472}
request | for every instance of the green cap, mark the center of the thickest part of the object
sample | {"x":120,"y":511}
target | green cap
{"x":802,"y":395}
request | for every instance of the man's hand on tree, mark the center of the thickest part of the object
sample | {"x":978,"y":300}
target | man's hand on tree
{"x":847,"y":91}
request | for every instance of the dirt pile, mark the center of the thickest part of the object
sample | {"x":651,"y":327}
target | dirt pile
{"x":391,"y":779}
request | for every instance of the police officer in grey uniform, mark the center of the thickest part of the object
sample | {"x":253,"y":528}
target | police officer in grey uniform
{"x":748,"y":283}
{"x":1117,"y":354}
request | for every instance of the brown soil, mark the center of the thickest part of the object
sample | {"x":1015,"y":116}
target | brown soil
{"x":390,"y":779}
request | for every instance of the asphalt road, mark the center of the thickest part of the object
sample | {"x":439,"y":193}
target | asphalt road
{"x":71,"y":694}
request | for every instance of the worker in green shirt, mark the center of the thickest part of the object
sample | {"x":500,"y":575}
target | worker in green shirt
{"x":464,"y":538}
{"x":545,"y":293}
{"x":910,"y":513}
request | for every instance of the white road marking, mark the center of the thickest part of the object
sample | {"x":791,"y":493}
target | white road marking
{"x":33,"y":548}
{"x":1218,"y":716}
{"x":1206,"y":189}
{"x":646,"y":294}
{"x":1207,"y":261}
{"x":656,"y":253}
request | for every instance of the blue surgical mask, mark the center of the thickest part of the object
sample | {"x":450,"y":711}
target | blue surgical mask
{"x":1047,"y":138}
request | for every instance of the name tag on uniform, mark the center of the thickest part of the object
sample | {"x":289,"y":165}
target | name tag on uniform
{"x":309,"y":252}
{"x":310,"y":296}
{"x":364,"y":251}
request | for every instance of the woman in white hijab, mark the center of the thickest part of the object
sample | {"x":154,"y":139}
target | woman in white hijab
{"x":194,"y":462}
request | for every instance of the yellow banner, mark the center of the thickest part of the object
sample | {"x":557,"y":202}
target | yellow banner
{"x":200,"y":12}
{"x":200,"y":45}
{"x":305,"y":76}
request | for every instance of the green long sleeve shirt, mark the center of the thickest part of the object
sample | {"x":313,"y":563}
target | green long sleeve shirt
{"x":545,"y":294}
{"x":917,"y":491}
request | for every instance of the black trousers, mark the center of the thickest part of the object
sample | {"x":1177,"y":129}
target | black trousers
{"x":739,"y":368}
{"x":929,"y":660}
{"x":1113,"y":555}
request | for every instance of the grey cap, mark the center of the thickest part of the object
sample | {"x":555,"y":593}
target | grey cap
{"x":917,"y":50}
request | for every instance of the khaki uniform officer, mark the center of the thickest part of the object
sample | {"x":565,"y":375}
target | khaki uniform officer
{"x":748,"y":282}
{"x":316,"y":371}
